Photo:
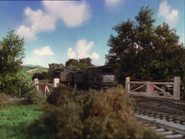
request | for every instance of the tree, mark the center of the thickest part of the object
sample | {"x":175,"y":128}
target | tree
{"x":86,"y":61}
{"x":142,"y":51}
{"x":11,"y":55}
{"x":69,"y":62}
{"x":56,"y":66}
{"x":73,"y":64}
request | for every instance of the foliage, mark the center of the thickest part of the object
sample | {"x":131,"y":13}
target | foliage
{"x":26,"y":75}
{"x":27,"y":85}
{"x":60,"y":95}
{"x":142,"y":51}
{"x":69,"y":62}
{"x":35,"y":97}
{"x":11,"y":55}
{"x":107,"y":114}
{"x":53,"y":66}
{"x":72,"y":64}
{"x":75,"y":65}
{"x":86,"y":61}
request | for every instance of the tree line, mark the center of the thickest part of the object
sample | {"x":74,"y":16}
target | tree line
{"x":71,"y":64}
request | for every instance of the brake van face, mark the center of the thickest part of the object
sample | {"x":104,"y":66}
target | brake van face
{"x":101,"y":76}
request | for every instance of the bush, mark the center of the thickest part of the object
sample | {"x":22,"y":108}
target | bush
{"x":107,"y":114}
{"x":61,"y":95}
{"x":35,"y":97}
{"x":27,"y":86}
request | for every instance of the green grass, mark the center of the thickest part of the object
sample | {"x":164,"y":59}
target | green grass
{"x":13,"y":117}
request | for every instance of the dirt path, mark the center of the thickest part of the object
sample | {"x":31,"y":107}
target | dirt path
{"x":14,"y":100}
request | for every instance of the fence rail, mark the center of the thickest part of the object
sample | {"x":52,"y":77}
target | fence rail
{"x":151,"y":86}
{"x":46,"y":85}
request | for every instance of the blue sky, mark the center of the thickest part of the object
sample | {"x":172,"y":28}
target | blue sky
{"x":56,"y":31}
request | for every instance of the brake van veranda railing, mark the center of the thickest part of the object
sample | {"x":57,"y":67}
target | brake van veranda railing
{"x":152,"y":90}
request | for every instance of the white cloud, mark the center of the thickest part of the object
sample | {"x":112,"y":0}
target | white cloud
{"x":83,"y":50}
{"x":43,"y":51}
{"x":40,"y":57}
{"x":38,"y":60}
{"x":111,"y":3}
{"x":71,"y":53}
{"x":94,"y":55}
{"x":26,"y":32}
{"x":39,"y":20}
{"x":72,"y":13}
{"x":171,"y":16}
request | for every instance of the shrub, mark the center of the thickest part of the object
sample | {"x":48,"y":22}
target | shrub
{"x":27,"y":86}
{"x":60,"y":95}
{"x":115,"y":103}
{"x":35,"y":97}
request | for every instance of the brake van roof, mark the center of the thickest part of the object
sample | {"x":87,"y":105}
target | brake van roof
{"x":101,"y":67}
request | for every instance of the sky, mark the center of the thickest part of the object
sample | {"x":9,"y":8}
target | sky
{"x":56,"y":31}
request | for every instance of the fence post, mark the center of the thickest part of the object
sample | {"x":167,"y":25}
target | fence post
{"x":149,"y":89}
{"x":55,"y":82}
{"x":44,"y":90}
{"x":176,"y":88}
{"x":127,"y":84}
{"x":36,"y":81}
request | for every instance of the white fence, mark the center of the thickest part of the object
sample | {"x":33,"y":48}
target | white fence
{"x":152,"y":90}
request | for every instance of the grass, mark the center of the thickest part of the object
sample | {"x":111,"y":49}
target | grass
{"x":13,"y":117}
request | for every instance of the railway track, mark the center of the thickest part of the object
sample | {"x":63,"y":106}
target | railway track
{"x":165,"y":117}
{"x":165,"y":130}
